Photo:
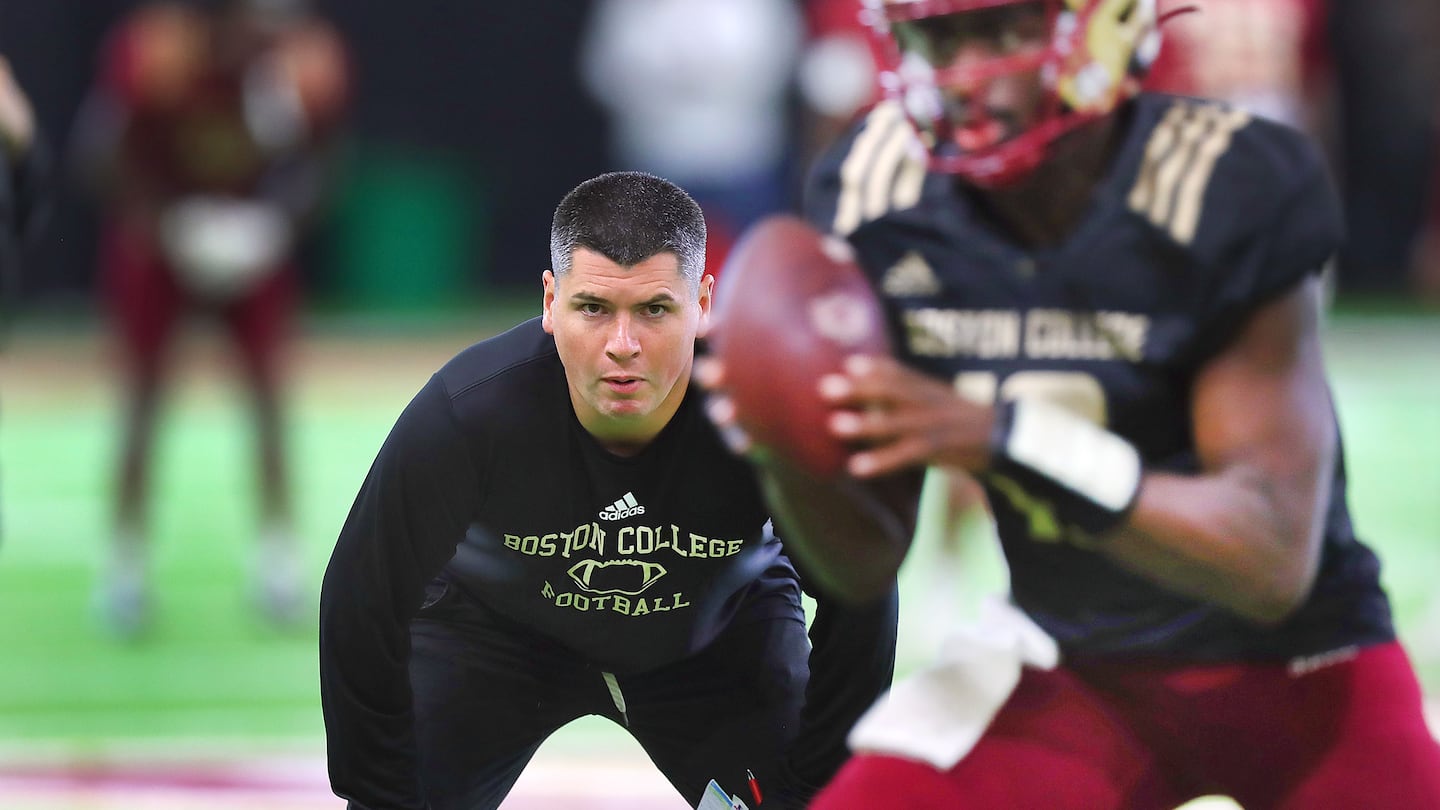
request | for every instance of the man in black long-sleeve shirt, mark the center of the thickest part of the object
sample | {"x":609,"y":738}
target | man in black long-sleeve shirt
{"x":554,"y":529}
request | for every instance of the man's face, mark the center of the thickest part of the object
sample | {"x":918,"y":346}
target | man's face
{"x":985,"y":102}
{"x":626,"y":337}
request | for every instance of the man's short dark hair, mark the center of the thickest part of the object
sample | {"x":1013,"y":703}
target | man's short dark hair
{"x":627,"y":217}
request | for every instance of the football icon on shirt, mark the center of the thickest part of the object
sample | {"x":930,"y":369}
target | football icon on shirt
{"x":628,"y":577}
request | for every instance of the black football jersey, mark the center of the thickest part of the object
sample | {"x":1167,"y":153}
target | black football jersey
{"x":1205,"y":214}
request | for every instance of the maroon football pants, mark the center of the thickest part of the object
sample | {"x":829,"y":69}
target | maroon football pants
{"x":1344,"y":733}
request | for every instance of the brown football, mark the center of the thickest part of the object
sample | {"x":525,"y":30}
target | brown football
{"x":790,"y":305}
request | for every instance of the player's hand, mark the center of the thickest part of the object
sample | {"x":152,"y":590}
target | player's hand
{"x":709,"y":374}
{"x":904,"y":419}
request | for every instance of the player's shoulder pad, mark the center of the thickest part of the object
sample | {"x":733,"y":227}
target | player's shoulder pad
{"x":876,"y":167}
{"x":1212,"y":176}
{"x":487,"y":361}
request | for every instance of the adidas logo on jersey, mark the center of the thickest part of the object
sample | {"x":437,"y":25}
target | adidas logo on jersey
{"x":912,"y":275}
{"x":623,"y":508}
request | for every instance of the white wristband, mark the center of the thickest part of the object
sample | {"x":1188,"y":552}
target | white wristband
{"x":1068,"y":456}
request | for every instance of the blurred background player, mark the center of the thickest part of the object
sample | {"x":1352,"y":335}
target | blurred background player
{"x":1110,"y":307}
{"x":206,"y":136}
{"x":1265,"y":56}
{"x":698,"y":91}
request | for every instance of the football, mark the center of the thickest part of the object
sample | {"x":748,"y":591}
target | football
{"x":791,"y":304}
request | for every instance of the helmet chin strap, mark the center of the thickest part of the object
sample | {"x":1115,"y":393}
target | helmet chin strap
{"x":1010,"y":162}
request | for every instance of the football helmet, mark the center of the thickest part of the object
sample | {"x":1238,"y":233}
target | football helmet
{"x":1091,"y":57}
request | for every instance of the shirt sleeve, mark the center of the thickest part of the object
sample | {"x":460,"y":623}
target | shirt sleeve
{"x":1264,"y":250}
{"x":852,"y":663}
{"x":409,"y":516}
{"x":870,"y":171}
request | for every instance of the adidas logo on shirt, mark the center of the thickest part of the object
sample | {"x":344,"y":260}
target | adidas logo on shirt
{"x":911,"y":276}
{"x":623,"y":508}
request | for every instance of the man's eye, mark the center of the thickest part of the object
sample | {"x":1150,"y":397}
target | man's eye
{"x":591,"y":309}
{"x":656,"y":310}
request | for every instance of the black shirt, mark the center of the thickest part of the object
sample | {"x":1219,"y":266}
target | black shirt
{"x":489,"y":481}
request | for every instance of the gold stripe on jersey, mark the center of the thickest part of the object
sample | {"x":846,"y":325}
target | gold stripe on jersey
{"x":878,"y":175}
{"x":859,"y":166}
{"x":1189,"y":132}
{"x":1179,"y":160}
{"x":880,"y":183}
{"x":910,"y":182}
{"x":1157,"y":149}
{"x":1191,"y":196}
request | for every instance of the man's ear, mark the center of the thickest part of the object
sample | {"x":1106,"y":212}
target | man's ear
{"x":547,"y":302}
{"x":707,"y":296}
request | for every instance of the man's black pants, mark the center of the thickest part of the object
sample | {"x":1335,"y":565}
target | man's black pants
{"x":488,"y":693}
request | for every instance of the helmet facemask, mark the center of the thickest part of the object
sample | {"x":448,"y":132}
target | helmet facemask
{"x":1087,"y":55}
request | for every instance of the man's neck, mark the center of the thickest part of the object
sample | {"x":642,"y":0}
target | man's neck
{"x":1047,"y":206}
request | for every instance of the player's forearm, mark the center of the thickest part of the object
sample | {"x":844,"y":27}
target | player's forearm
{"x":849,"y":537}
{"x":1238,"y":539}
{"x":364,"y":697}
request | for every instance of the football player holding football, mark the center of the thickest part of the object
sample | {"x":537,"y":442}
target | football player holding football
{"x":1109,"y":307}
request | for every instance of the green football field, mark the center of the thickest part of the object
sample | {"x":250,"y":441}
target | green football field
{"x":212,"y":676}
